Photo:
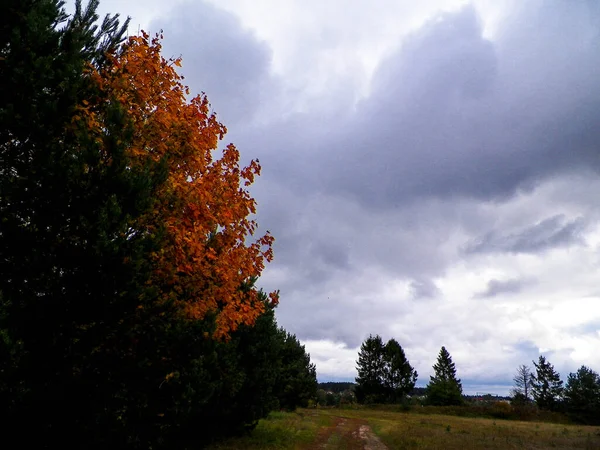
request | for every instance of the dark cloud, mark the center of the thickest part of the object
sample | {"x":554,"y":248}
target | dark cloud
{"x":365,"y":198}
{"x":453,"y":114}
{"x":555,"y":231}
{"x":497,"y":287}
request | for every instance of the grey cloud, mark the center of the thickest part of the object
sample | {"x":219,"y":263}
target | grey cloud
{"x":452,"y":114}
{"x":453,"y":126}
{"x":510,"y":286}
{"x":219,"y":58}
{"x":550,"y":233}
{"x":421,"y":289}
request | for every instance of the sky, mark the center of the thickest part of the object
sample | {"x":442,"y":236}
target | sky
{"x":430,"y":169}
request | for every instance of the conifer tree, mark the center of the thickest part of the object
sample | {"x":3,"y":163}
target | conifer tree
{"x":582,"y":396}
{"x":444,"y":388}
{"x":93,"y":354}
{"x":384,"y":373}
{"x":297,"y":380}
{"x":546,"y":385}
{"x":72,"y":261}
{"x":370,"y":367}
{"x":399,"y":377}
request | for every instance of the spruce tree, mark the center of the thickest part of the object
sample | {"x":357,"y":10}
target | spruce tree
{"x":399,"y":377}
{"x":370,"y":367}
{"x":444,"y":388}
{"x":546,"y":385}
{"x":582,"y":396}
{"x":297,"y":380}
{"x":384,"y":373}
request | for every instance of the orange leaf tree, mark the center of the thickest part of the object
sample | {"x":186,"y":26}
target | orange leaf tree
{"x":209,"y":259}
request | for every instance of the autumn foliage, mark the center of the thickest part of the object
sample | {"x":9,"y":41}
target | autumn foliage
{"x":129,"y":312}
{"x":204,"y":206}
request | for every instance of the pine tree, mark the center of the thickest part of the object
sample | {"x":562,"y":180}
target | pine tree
{"x":370,"y":367}
{"x":399,"y":377}
{"x":72,"y":258}
{"x":444,"y":388}
{"x":546,"y":385}
{"x":582,"y":396}
{"x":91,"y":356}
{"x":297,"y":381}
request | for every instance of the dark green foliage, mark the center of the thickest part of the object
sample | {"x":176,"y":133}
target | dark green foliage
{"x":337,"y":387}
{"x":444,"y":388}
{"x":398,"y":376}
{"x":370,"y":367}
{"x":582,"y":396}
{"x":297,"y":381}
{"x":73,"y":262}
{"x":220,"y":388}
{"x":519,"y":399}
{"x":336,"y":393}
{"x":90,"y":357}
{"x":546,"y":385}
{"x":230,"y":385}
{"x":384,"y":373}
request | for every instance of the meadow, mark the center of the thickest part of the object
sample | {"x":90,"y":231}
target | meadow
{"x":374,"y":429}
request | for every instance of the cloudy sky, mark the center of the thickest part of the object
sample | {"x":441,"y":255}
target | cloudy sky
{"x":430,"y":169}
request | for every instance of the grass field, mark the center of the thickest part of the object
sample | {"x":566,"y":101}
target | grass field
{"x":339,"y":429}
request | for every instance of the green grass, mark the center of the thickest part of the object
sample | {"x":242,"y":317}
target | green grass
{"x":281,"y":430}
{"x":320,"y":428}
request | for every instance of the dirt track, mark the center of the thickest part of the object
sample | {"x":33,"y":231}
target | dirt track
{"x":350,"y":434}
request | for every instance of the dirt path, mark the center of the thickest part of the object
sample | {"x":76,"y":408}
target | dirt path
{"x":371,"y":441}
{"x":350,"y":434}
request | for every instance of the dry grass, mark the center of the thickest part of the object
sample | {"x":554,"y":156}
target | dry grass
{"x":310,"y":429}
{"x":419,"y":431}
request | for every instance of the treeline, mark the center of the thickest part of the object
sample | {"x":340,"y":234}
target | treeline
{"x":579,"y":397}
{"x":129,"y":311}
{"x":336,"y":386}
{"x":386,"y":376}
{"x":343,"y":393}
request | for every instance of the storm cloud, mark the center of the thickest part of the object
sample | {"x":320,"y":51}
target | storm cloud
{"x":429,"y":173}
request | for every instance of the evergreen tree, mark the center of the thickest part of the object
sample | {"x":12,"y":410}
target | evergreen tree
{"x":384,"y":373}
{"x":371,"y":369}
{"x":546,"y":385}
{"x":582,"y":396}
{"x":399,"y":377}
{"x":444,"y":388}
{"x":73,"y":257}
{"x":523,"y":383}
{"x":297,"y":380}
{"x":90,"y":355}
{"x":225,"y":388}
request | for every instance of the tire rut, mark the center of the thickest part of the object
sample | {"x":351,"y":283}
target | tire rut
{"x":348,"y":434}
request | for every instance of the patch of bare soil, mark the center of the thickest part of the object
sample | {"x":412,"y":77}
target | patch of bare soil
{"x":371,"y":441}
{"x":347,"y":434}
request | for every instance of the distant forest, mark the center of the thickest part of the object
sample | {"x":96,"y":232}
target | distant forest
{"x":339,"y":387}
